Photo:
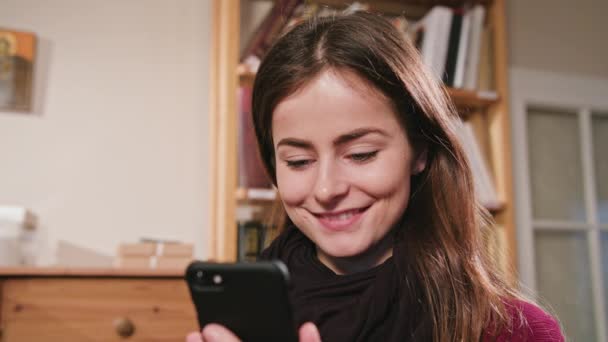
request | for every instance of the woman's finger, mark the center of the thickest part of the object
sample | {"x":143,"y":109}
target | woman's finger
{"x":194,"y":337}
{"x":217,"y":333}
{"x":309,"y":333}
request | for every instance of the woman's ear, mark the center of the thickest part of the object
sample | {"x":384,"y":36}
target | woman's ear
{"x":419,"y":162}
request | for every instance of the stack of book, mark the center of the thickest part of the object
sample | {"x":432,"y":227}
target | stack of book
{"x":251,"y":170}
{"x":450,"y":42}
{"x":485,"y":189}
{"x":284,"y":14}
{"x":154,"y":254}
{"x":251,"y":236}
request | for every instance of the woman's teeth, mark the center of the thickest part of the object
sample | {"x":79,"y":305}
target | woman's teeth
{"x":341,"y":216}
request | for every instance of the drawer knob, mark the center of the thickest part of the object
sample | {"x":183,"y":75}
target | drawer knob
{"x":124,"y":327}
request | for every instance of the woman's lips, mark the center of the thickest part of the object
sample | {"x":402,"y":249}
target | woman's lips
{"x":341,"y":220}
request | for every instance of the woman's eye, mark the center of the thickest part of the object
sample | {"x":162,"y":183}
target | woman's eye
{"x":298,"y":164}
{"x":362,"y":157}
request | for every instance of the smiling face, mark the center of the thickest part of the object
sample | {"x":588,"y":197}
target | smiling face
{"x":343,"y":167}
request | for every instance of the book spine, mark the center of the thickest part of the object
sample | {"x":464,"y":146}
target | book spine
{"x":442,"y":23}
{"x":485,"y":77}
{"x":463,"y":46}
{"x":250,"y":240}
{"x":485,"y":190}
{"x":251,"y":169}
{"x":272,"y":25}
{"x":473,"y":55}
{"x":453,"y":41}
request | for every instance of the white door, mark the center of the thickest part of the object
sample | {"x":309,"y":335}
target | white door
{"x":560,"y":164}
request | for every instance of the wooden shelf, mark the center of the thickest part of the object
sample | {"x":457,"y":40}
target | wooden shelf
{"x":426,"y":3}
{"x":496,"y":209}
{"x":412,"y":8}
{"x":253,"y":195}
{"x":409,"y":8}
{"x":470,"y":100}
{"x":488,"y":112}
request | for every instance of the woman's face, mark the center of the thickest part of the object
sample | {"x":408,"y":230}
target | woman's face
{"x":343,"y":167}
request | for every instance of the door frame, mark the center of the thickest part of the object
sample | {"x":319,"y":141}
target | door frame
{"x":580,"y":94}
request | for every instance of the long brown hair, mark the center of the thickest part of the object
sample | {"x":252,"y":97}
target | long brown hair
{"x":455,"y":290}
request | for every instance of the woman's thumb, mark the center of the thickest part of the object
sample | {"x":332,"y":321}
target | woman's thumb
{"x":309,"y":333}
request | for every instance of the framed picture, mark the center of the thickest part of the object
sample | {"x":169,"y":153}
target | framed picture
{"x":17,"y":52}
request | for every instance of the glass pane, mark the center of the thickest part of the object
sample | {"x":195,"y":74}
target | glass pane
{"x":563,"y":278}
{"x":555,"y":165}
{"x":599,"y":124}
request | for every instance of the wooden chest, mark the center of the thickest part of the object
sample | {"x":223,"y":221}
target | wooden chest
{"x":94,"y":305}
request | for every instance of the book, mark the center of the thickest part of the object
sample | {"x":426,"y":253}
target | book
{"x":177,"y":250}
{"x":251,"y":170}
{"x":474,"y":49}
{"x":154,"y":254}
{"x":430,"y":35}
{"x":136,"y":261}
{"x":453,"y":43}
{"x":485,"y":189}
{"x":463,"y":49}
{"x":141,"y":249}
{"x":485,"y":77}
{"x":265,"y":35}
{"x":250,"y":240}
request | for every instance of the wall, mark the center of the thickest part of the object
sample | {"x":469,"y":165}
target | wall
{"x":562,"y":36}
{"x":116,"y":148}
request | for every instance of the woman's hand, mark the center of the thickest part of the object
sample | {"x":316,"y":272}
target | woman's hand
{"x":217,"y":333}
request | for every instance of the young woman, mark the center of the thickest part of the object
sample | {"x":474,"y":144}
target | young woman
{"x":384,"y":237}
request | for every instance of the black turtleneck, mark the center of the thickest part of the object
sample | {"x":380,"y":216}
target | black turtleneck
{"x":362,"y":306}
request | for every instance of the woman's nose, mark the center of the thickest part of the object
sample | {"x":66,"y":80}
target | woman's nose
{"x":330,"y":185}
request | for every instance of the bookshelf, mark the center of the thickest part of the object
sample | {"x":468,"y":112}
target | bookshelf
{"x":465,"y":100}
{"x":487,"y":111}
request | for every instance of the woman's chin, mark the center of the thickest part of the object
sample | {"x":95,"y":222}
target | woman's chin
{"x":337,"y":251}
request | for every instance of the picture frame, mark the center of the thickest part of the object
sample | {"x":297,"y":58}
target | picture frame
{"x":17,"y":56}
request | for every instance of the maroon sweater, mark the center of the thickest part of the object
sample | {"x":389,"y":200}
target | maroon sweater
{"x":530,"y":323}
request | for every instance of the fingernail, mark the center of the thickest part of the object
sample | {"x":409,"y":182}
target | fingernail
{"x":210,"y":334}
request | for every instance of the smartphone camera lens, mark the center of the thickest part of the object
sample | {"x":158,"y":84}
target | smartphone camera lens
{"x":199,"y":275}
{"x":217,"y":279}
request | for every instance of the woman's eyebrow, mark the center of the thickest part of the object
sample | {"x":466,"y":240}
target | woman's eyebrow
{"x":341,"y":140}
{"x":356,"y":134}
{"x":295,"y":143}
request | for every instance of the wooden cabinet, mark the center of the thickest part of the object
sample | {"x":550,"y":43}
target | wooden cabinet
{"x":490,"y":117}
{"x":94,"y":305}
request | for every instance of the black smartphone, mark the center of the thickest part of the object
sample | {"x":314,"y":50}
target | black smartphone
{"x":250,"y":299}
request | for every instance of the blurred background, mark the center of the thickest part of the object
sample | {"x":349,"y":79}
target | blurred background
{"x":132,"y":129}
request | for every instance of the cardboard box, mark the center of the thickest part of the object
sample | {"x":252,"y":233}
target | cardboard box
{"x":177,"y":250}
{"x":180,"y":263}
{"x":170,"y":255}
{"x":135,"y":262}
{"x":137,"y":249}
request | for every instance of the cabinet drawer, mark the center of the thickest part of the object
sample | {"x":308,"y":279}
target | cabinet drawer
{"x":91,"y":309}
